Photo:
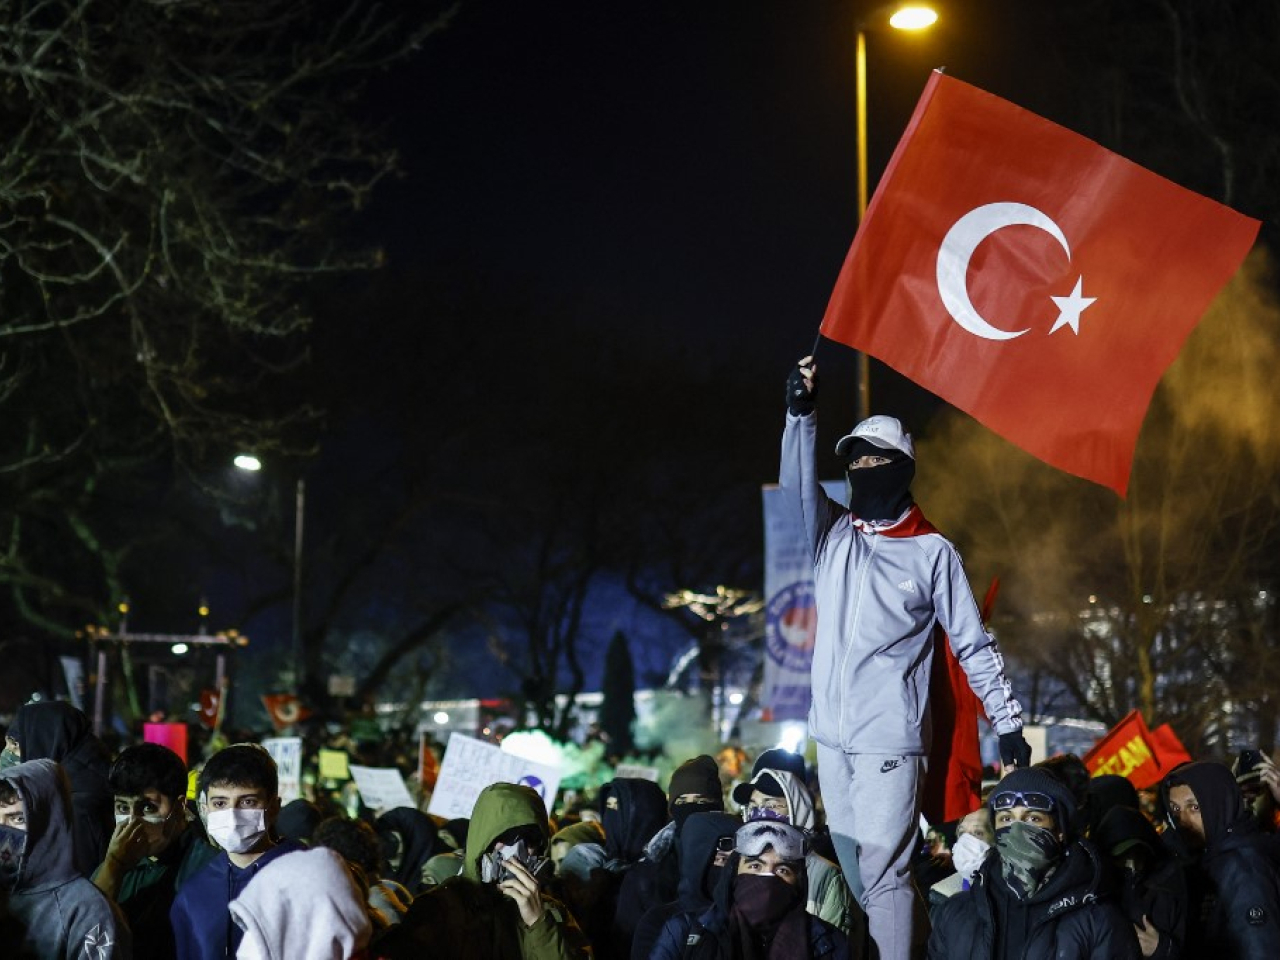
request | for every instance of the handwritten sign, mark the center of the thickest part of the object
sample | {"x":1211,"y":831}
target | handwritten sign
{"x":381,"y":788}
{"x":470,"y":765}
{"x":287,"y":753}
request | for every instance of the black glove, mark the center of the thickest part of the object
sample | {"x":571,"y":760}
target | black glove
{"x":800,"y":399}
{"x":1014,"y":750}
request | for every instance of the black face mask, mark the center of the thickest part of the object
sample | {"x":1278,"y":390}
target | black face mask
{"x":883,"y":492}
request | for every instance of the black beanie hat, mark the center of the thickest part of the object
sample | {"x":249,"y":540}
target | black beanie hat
{"x":700,"y":775}
{"x":1033,"y":780}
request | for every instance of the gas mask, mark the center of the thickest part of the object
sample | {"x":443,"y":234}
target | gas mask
{"x":493,"y":865}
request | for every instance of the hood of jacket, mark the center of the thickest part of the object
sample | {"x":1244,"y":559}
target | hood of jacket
{"x":698,"y":851}
{"x":302,"y":904}
{"x":1222,"y":808}
{"x":796,"y":793}
{"x":413,"y":837}
{"x":55,"y":730}
{"x":1122,"y":829}
{"x":49,"y":858}
{"x":641,"y":812}
{"x":500,"y":807}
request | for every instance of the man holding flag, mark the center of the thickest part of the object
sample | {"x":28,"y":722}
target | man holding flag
{"x":884,"y":580}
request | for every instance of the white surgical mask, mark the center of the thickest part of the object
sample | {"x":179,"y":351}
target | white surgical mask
{"x":968,"y":854}
{"x":236,"y":831}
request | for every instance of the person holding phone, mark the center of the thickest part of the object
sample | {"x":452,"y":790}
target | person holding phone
{"x":499,"y":907}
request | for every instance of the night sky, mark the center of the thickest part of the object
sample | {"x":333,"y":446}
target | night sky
{"x":674,"y":178}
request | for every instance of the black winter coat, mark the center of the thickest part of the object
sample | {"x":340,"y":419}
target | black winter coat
{"x":1235,"y":883}
{"x":1068,"y":919}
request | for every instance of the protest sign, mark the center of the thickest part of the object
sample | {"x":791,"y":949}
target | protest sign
{"x":287,"y":753}
{"x":470,"y":765}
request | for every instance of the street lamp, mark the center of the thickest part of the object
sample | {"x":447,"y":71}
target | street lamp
{"x":252,"y":464}
{"x":907,"y":16}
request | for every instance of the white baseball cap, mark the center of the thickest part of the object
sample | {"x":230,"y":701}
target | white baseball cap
{"x":881,"y":431}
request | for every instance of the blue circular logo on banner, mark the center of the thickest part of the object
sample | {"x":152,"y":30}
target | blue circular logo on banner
{"x":540,"y":788}
{"x":791,"y":622}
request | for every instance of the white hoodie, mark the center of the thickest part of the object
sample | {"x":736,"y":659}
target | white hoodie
{"x":302,"y":904}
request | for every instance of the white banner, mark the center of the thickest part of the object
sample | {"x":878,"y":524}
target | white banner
{"x":791,"y":617}
{"x":470,"y":765}
{"x":381,"y":788}
{"x":287,"y":753}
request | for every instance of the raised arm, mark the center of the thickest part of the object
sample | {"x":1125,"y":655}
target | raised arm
{"x":808,"y":503}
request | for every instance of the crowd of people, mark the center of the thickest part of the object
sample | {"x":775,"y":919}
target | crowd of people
{"x":136,"y":856}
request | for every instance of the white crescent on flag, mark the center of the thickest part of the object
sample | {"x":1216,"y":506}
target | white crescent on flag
{"x":957,"y":250}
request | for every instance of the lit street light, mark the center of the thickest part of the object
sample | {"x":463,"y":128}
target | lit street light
{"x":909,"y":17}
{"x":252,"y":464}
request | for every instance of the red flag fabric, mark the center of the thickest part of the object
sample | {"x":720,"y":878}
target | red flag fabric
{"x":428,"y":764}
{"x":1126,"y":749}
{"x":210,"y":701}
{"x":1035,"y":280}
{"x":953,"y":783}
{"x":1168,"y":748}
{"x":284,"y":709}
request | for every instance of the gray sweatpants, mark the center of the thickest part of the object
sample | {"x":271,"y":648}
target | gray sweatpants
{"x":873,"y":811}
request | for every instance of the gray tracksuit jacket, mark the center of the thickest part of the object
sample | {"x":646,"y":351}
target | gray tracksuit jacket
{"x":879,"y":598}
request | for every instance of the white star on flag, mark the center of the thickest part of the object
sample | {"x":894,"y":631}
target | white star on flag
{"x":1071,"y":308}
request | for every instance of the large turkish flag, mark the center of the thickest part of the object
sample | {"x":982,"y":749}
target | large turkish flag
{"x":1030,"y":277}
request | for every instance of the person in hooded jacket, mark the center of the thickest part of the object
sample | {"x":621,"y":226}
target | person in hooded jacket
{"x":498,"y":908}
{"x":55,"y":730}
{"x":409,"y":839}
{"x":705,"y":845}
{"x":694,"y":788}
{"x":1042,"y":896}
{"x":887,"y":587}
{"x":304,"y":905}
{"x":60,"y":914}
{"x":758,"y":909}
{"x":631,"y":812}
{"x":1233,"y":882}
{"x":1152,"y":883}
{"x":778,"y":794}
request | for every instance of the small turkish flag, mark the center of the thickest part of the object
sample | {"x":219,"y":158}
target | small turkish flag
{"x":210,"y":701}
{"x":1035,"y":280}
{"x":284,"y":709}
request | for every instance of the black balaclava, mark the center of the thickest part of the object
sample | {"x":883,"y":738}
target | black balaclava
{"x":883,"y":492}
{"x":640,"y":813}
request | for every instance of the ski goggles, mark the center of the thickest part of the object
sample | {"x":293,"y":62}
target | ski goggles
{"x":1031,"y":799}
{"x":756,"y":836}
